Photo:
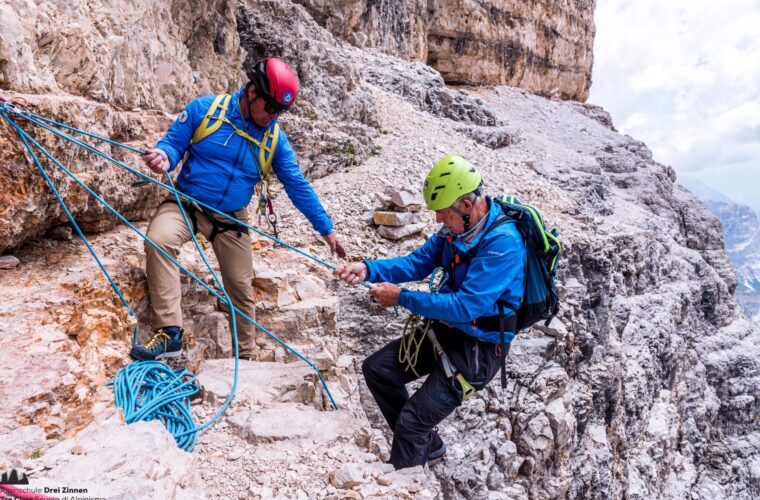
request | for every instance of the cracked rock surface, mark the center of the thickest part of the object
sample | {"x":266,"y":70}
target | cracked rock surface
{"x":644,"y":386}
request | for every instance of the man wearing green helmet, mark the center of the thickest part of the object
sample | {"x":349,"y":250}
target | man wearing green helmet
{"x":471,"y":315}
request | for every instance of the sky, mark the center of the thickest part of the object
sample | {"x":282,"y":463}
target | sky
{"x":684,"y":77}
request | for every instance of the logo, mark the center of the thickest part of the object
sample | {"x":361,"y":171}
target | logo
{"x":14,"y":476}
{"x":182,"y":116}
{"x":287,"y":98}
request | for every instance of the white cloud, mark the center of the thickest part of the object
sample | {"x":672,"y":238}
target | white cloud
{"x":684,"y":76}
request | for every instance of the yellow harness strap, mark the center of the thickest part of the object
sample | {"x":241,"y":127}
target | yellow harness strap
{"x":266,"y":146}
{"x":204,"y":130}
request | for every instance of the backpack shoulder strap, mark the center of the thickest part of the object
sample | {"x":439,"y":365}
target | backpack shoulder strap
{"x":211,"y":124}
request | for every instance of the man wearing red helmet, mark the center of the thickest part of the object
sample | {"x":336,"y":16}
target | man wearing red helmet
{"x":228,"y":145}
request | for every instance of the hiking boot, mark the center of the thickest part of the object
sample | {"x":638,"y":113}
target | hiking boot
{"x":438,"y":448}
{"x":165,"y":343}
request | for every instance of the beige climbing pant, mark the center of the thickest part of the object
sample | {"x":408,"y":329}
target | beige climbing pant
{"x":233,"y":252}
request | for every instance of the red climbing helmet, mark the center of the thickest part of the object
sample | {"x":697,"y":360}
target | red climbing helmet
{"x":276,"y":82}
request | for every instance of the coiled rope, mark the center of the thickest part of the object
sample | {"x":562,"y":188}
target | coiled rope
{"x":147,"y":390}
{"x":409,"y":349}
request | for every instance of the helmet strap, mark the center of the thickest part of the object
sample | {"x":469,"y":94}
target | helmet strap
{"x":465,"y":217}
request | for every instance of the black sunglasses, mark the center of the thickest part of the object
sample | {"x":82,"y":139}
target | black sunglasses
{"x":273,"y":107}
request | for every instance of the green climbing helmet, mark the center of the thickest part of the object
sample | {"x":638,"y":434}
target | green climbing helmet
{"x":450,"y":178}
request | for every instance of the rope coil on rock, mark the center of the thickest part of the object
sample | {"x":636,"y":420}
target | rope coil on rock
{"x":147,"y":390}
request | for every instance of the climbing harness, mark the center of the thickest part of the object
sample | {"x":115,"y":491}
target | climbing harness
{"x":147,"y":390}
{"x":217,"y":226}
{"x":263,"y":161}
{"x":409,"y":348}
{"x":267,"y":145}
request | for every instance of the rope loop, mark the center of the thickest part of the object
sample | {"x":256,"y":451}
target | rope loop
{"x":146,"y":390}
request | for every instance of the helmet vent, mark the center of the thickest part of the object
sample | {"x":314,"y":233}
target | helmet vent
{"x":433,"y":196}
{"x":445,"y":174}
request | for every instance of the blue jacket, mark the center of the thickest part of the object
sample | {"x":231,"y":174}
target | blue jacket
{"x":220,"y":171}
{"x":496,"y":272}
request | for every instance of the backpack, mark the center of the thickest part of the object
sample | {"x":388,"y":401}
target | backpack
{"x":543,"y":247}
{"x":540,"y":298}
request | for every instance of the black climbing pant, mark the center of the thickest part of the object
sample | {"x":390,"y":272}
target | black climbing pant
{"x":413,"y":418}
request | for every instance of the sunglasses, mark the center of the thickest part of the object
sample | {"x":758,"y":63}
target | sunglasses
{"x":273,"y":107}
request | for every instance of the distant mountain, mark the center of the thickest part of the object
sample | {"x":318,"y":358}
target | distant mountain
{"x":741,"y":232}
{"x":753,"y":203}
{"x":702,"y":190}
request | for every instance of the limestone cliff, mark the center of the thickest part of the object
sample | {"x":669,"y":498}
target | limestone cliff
{"x":645,"y":386}
{"x":543,"y":47}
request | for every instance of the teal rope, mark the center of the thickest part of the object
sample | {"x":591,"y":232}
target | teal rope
{"x":144,"y":390}
{"x":174,"y":261}
{"x":73,"y":222}
{"x":231,"y":395}
{"x":28,"y":116}
{"x":135,"y":386}
{"x":28,"y":113}
{"x":149,"y":390}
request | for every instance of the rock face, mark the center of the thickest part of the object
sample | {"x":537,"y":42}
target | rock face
{"x":81,"y":64}
{"x":114,"y":78}
{"x":644,"y":386}
{"x":139,"y":460}
{"x":399,"y":27}
{"x":643,"y":341}
{"x":544,"y":47}
{"x":741,"y":231}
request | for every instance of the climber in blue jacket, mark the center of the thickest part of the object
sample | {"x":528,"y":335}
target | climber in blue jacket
{"x":485,"y":265}
{"x":229,"y":144}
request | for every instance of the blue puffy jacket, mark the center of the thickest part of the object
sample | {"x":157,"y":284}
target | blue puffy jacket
{"x":220,"y":171}
{"x":497,"y":271}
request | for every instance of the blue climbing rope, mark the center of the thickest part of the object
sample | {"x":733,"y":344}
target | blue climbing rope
{"x":144,"y":390}
{"x":31,"y":117}
{"x":162,"y":251}
{"x":148,"y":390}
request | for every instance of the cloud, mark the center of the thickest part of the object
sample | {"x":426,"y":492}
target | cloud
{"x":684,"y":76}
